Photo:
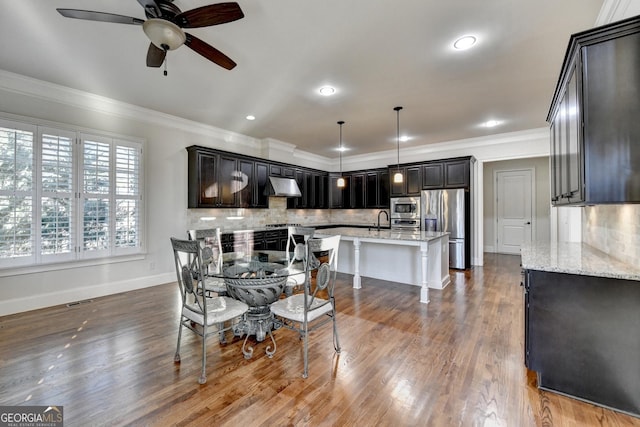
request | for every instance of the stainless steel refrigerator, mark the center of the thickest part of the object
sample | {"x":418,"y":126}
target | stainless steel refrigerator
{"x":448,"y":210}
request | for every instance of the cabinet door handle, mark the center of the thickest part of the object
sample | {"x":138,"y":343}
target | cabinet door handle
{"x":527,"y":223}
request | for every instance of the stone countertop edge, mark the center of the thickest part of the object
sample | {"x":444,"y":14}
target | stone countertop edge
{"x":361,"y":231}
{"x":382,"y":234}
{"x":576,"y":258}
{"x":230,"y":230}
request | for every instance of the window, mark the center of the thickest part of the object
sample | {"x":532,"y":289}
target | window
{"x":67,"y":196}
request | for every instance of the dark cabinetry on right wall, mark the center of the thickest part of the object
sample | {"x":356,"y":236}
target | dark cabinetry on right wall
{"x":581,"y":337}
{"x":594,"y":118}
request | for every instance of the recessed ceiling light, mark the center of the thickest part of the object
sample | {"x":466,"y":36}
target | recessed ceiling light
{"x":327,"y":90}
{"x":343,"y":149}
{"x":250,"y":117}
{"x":404,"y":138}
{"x":464,"y":42}
{"x":491,"y":123}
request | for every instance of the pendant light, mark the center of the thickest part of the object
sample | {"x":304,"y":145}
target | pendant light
{"x":397,"y":177}
{"x":341,"y":179}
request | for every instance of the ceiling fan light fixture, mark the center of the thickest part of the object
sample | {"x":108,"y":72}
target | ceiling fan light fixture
{"x":164,"y":34}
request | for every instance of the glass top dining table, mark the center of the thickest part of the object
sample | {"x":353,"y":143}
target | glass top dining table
{"x":258,"y":264}
{"x":257,"y":278}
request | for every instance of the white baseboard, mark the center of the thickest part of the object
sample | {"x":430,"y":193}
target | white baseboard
{"x":490,"y":249}
{"x":34,"y":302}
{"x":442,"y":284}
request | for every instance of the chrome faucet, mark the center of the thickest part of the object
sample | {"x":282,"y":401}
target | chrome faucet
{"x":385,"y":214}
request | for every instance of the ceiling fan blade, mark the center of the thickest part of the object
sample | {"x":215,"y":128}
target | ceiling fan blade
{"x":151,"y":9}
{"x":209,"y":52}
{"x":155,"y":56}
{"x":212,"y":14}
{"x":91,"y":15}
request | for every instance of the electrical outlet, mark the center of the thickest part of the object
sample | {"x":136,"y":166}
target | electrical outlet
{"x":152,"y":265}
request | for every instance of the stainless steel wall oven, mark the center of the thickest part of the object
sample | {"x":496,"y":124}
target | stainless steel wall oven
{"x":405,"y":213}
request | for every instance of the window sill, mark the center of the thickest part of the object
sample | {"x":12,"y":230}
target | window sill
{"x":43,"y":268}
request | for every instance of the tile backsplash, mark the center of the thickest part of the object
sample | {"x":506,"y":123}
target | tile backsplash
{"x":613,"y":229}
{"x":238,"y":218}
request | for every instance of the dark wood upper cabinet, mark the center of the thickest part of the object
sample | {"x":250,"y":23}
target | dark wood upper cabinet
{"x":203,"y":180}
{"x":377,"y":189}
{"x":321,"y":194}
{"x":335,"y":192}
{"x":456,"y":173}
{"x":228,"y":181}
{"x":244,"y":181}
{"x":261,"y":185}
{"x":281,"y":171}
{"x":298,"y":202}
{"x":220,"y":179}
{"x":414,"y":182}
{"x":339,"y":197}
{"x":357,"y":191}
{"x":211,"y":180}
{"x":371,"y":184}
{"x":594,"y":126}
{"x":411,"y":184}
{"x":433,"y":176}
{"x":383,"y":188}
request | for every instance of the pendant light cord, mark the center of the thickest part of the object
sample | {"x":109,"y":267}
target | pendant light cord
{"x":341,"y":122}
{"x":397,"y":109}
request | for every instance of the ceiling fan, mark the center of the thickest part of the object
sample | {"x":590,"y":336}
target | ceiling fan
{"x":165,"y":24}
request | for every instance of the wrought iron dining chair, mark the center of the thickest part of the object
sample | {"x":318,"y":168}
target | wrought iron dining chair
{"x":211,"y":243}
{"x":306,"y":311}
{"x":203,"y":315}
{"x":296,"y":256}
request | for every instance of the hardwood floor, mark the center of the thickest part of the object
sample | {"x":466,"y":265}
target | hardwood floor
{"x":457,"y":361}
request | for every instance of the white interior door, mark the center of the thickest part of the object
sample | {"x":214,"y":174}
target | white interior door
{"x":514,"y":202}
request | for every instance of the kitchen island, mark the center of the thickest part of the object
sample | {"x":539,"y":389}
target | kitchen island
{"x":417,"y":258}
{"x":582,"y":317}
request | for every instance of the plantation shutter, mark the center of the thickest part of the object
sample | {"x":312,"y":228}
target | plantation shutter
{"x":17,"y":191}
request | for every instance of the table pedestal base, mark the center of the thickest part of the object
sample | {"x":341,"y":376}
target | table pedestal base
{"x":258,"y":325}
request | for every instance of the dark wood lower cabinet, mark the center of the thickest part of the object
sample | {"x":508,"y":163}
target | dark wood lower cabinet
{"x":582,"y":337}
{"x":274,"y":240}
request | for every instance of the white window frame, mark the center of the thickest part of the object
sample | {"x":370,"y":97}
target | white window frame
{"x":27,"y":259}
{"x":42,"y":258}
{"x":78,"y":254}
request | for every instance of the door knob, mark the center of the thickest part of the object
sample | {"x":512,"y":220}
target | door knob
{"x":527,"y":223}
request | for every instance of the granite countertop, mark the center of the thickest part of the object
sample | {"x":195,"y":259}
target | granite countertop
{"x":382,"y":234}
{"x":358,"y":230}
{"x":240,"y":229}
{"x":576,"y":258}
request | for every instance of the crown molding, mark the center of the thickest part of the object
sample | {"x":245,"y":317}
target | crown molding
{"x":272,"y":148}
{"x":615,"y":10}
{"x":51,"y":92}
{"x":282,"y":151}
{"x":469,"y":145}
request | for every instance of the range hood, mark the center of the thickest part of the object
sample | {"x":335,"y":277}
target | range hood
{"x":285,"y":187}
